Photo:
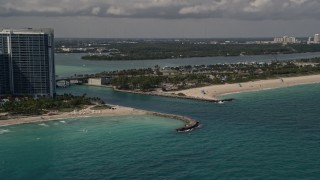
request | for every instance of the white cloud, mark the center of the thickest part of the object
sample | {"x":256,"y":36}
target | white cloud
{"x":144,"y":4}
{"x":169,"y":9}
{"x":198,"y":9}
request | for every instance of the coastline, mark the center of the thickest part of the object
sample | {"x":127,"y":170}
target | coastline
{"x":83,"y":113}
{"x":174,"y":95}
{"x":189,"y":125}
{"x":208,"y":93}
{"x":85,"y":55}
{"x":213,"y":92}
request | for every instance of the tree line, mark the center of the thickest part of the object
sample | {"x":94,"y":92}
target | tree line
{"x":149,"y":51}
{"x":196,"y":76}
{"x":32,"y":106}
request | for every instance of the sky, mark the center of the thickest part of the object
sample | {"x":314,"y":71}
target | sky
{"x":165,"y":18}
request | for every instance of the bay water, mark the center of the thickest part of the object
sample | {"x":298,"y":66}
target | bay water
{"x":71,"y":64}
{"x":272,"y":134}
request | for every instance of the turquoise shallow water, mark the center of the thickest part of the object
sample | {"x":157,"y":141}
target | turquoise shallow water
{"x":82,"y":148}
{"x":272,"y":134}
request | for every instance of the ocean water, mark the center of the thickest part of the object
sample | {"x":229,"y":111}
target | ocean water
{"x":272,"y":134}
{"x":70,"y":64}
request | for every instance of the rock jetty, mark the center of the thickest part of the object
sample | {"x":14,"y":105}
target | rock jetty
{"x":190,"y":124}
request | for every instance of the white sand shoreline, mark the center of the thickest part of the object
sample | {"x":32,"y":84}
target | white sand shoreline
{"x":87,"y":112}
{"x":84,"y":113}
{"x":209,"y":92}
{"x":214,"y":92}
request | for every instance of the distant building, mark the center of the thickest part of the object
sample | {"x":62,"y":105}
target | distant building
{"x":99,"y":81}
{"x":316,"y":39}
{"x":285,"y":40}
{"x":278,"y":40}
{"x":309,"y":40}
{"x":27,"y":62}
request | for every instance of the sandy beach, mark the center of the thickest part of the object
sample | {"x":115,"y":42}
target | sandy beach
{"x":190,"y":124}
{"x":87,"y":112}
{"x":209,"y":92}
{"x":213,"y":92}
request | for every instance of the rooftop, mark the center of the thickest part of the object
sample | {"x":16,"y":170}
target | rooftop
{"x":27,"y":31}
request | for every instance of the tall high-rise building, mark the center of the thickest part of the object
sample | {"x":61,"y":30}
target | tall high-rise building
{"x":27,"y":62}
{"x":4,"y":74}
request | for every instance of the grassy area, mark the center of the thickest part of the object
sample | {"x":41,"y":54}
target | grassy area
{"x":101,"y":107}
{"x":181,"y":94}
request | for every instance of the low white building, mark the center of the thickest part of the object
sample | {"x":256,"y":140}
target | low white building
{"x":99,"y":81}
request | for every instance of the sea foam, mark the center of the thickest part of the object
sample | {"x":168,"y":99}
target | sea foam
{"x":2,"y":131}
{"x":44,"y":125}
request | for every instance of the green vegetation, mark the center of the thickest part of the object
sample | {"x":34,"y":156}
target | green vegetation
{"x":166,"y":50}
{"x":31,"y":106}
{"x":181,"y":94}
{"x":101,"y":107}
{"x":184,"y":77}
{"x":141,"y":82}
{"x":132,"y":72}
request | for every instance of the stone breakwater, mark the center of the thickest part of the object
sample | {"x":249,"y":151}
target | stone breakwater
{"x":190,"y":124}
{"x":174,"y":96}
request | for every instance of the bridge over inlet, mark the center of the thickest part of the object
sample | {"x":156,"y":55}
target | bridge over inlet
{"x":67,"y":81}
